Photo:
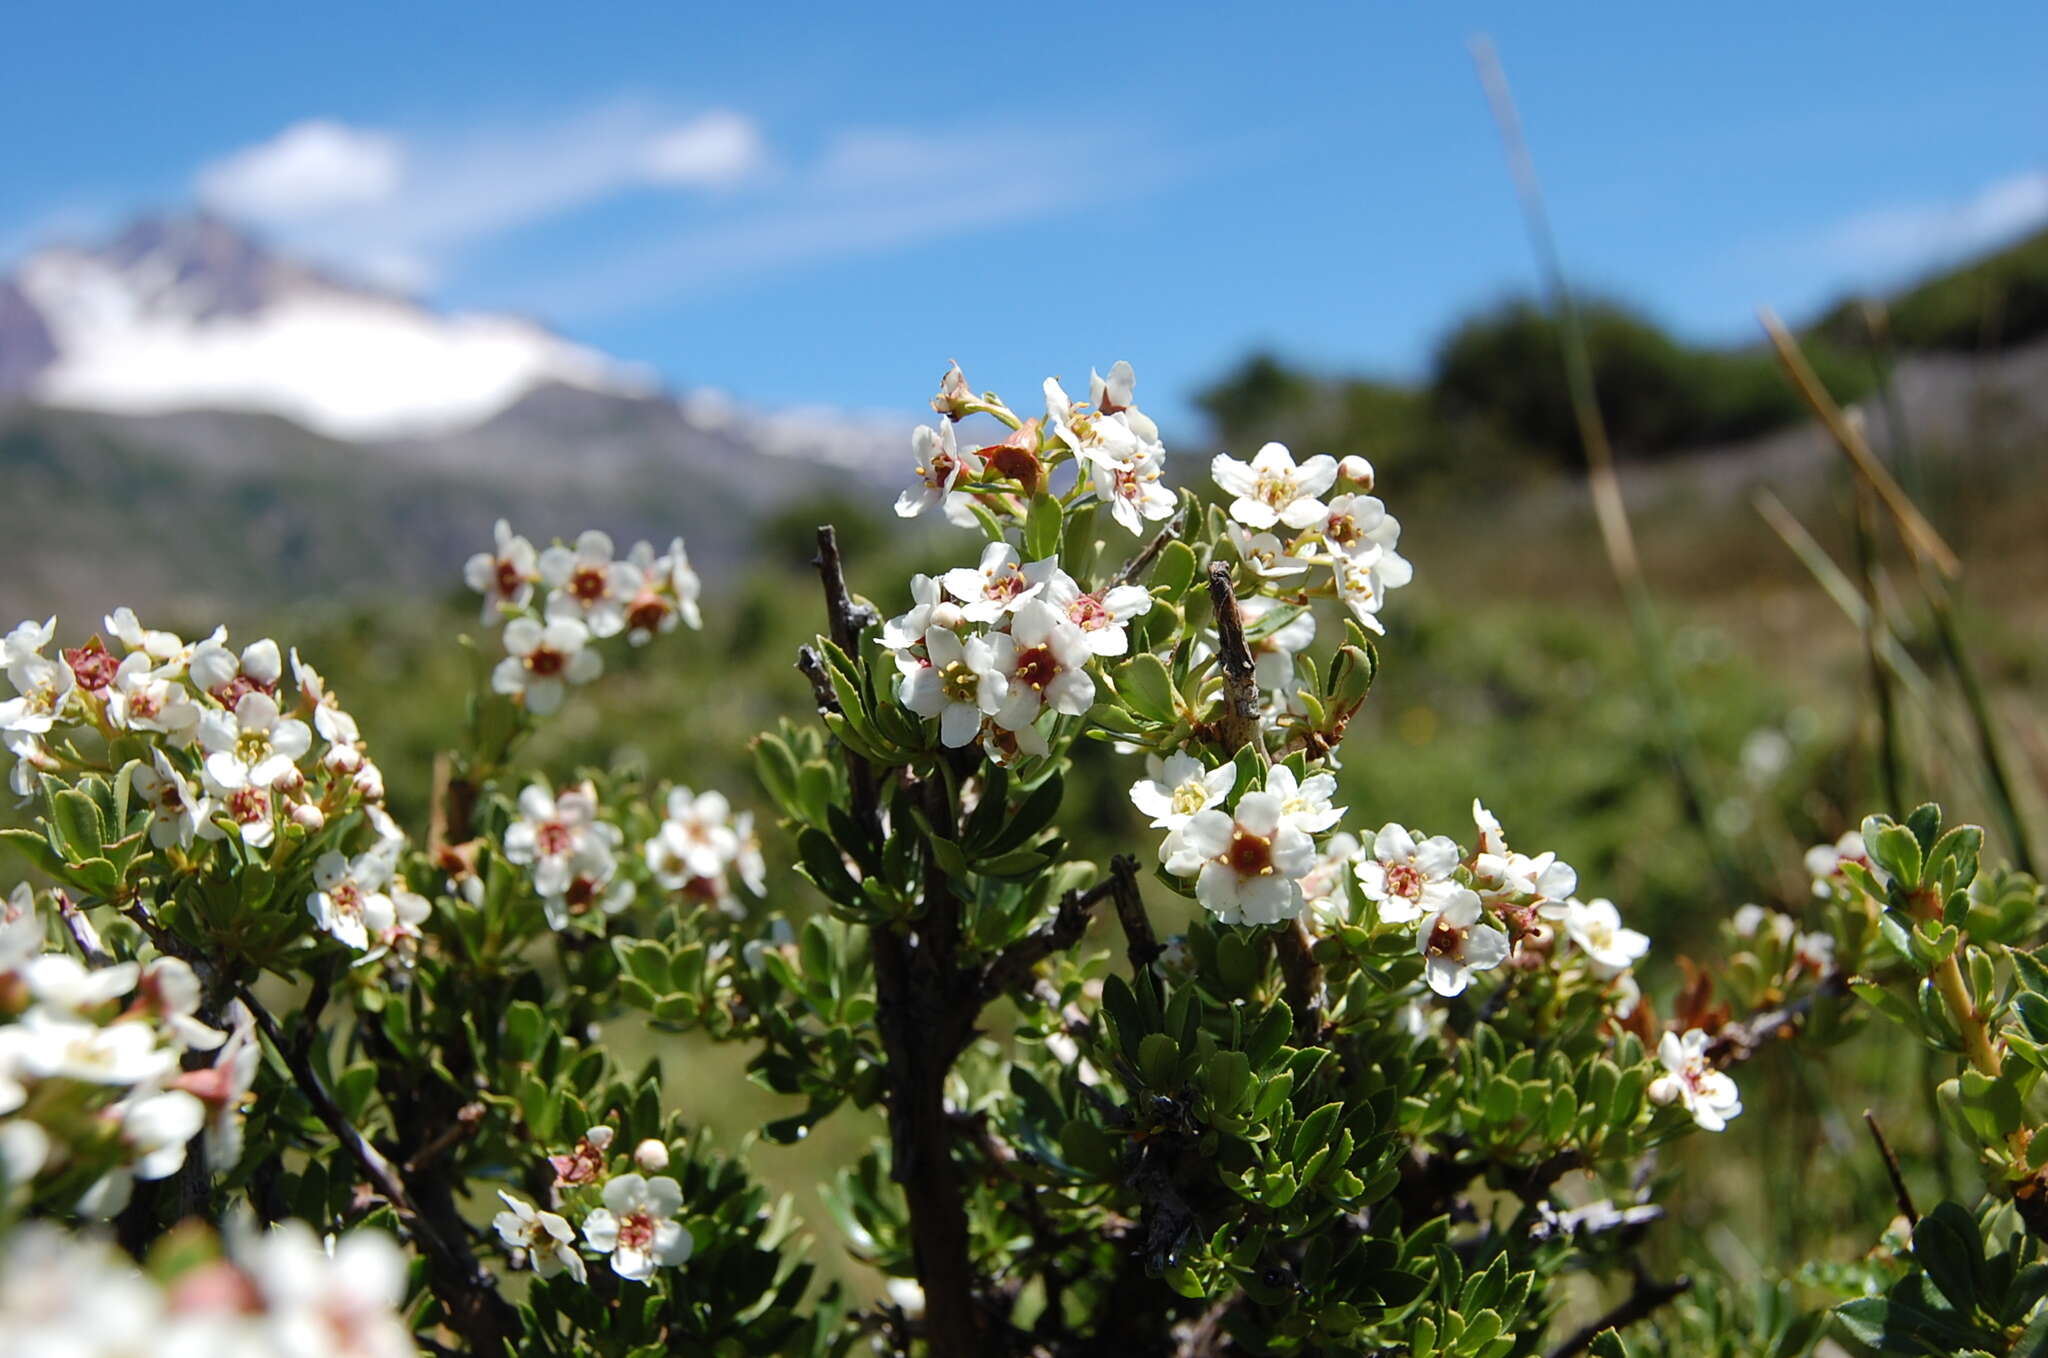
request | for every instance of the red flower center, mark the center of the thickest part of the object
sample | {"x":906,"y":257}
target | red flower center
{"x":590,"y":583}
{"x":547,"y":662}
{"x":1037,"y":667}
{"x":1404,"y":879}
{"x":1249,"y":855}
{"x":510,"y":578}
{"x":91,"y":665}
{"x":553,"y":838}
{"x":1446,"y":940}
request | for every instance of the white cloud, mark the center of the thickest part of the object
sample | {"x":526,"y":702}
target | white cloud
{"x":400,"y":211}
{"x":716,"y":149}
{"x":1902,"y":238}
{"x":308,"y":170}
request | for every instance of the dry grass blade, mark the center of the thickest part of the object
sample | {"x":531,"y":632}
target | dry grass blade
{"x":1919,"y":535}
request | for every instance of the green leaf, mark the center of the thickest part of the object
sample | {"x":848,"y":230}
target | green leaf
{"x":1607,"y":1344}
{"x":1226,"y":1079}
{"x":1314,"y":1131}
{"x":1898,"y":853}
{"x":1946,"y":1244}
{"x":820,"y":861}
{"x":1174,"y":570}
{"x":1925,"y":823}
{"x":1960,"y":847}
{"x":80,"y":829}
{"x":1042,"y":527}
{"x":1146,"y":688}
{"x":1159,"y":1061}
{"x":36,"y":849}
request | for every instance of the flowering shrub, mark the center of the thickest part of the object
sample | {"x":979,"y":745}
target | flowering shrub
{"x":1369,"y":1093}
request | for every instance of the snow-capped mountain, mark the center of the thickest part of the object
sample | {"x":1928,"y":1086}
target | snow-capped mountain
{"x":185,"y":313}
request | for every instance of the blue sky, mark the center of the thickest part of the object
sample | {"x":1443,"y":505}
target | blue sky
{"x":822,"y":204}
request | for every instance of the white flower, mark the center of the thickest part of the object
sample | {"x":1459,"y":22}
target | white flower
{"x":504,"y":576}
{"x":224,"y":1087}
{"x":698,"y":831}
{"x":1323,"y":889}
{"x":219,"y":671}
{"x":177,"y":813}
{"x":1134,"y":487}
{"x":63,"y":984}
{"x":1048,"y":669}
{"x":1751,"y":919}
{"x":592,"y":883}
{"x":255,"y":746}
{"x":1815,"y":952}
{"x":351,"y":902}
{"x":1407,"y":876}
{"x":1099,"y":617}
{"x":667,"y":592}
{"x":324,"y":1304}
{"x":1491,"y":840}
{"x":1824,"y":864}
{"x":250,"y":808}
{"x":44,"y":689}
{"x":959,"y":682}
{"x":26,"y":639}
{"x":940,"y":465}
{"x":1273,"y":653}
{"x":753,"y":869}
{"x":1518,"y":878}
{"x":1305,"y":804}
{"x":549,"y":1240}
{"x":335,"y":726}
{"x":998,"y":584}
{"x":1454,"y":943}
{"x":550,"y":830}
{"x":163,"y":648}
{"x":1250,"y":862}
{"x":929,"y":608}
{"x":636,"y":1227}
{"x":1116,"y":395}
{"x":1596,"y":927}
{"x":1180,"y":788}
{"x":123,"y":1053}
{"x":1264,"y":553}
{"x":540,"y":660}
{"x":1708,"y":1094}
{"x":1271,"y":489}
{"x":155,"y":1125}
{"x":144,"y":699}
{"x":170,"y":991}
{"x":586,"y":586}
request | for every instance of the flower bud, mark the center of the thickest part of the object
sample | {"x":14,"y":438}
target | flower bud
{"x":651,"y":1156}
{"x":954,"y":400}
{"x":343,"y":759}
{"x":1663,"y":1089}
{"x":309,"y":817}
{"x":1356,"y":470}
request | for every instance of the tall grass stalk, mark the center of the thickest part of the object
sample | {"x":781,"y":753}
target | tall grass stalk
{"x":1610,"y":509}
{"x":1939,"y":569}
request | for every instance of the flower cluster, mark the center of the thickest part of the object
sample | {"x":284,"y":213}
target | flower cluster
{"x":1113,"y":445}
{"x":990,"y":648}
{"x":1282,"y":528}
{"x":279,"y":1292}
{"x":630,"y":1217}
{"x":570,"y":852}
{"x":93,"y":1089}
{"x":216,"y":749}
{"x":699,"y":844}
{"x":590,"y":594}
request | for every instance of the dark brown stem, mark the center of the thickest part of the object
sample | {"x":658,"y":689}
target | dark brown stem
{"x":1135,"y":567}
{"x":1140,"y":944}
{"x":1738,"y":1042}
{"x":1237,"y":725}
{"x":925,"y":1011}
{"x":813,"y":669}
{"x":1891,"y":1169}
{"x":465,"y":1288}
{"x":1303,"y":976}
{"x":1647,"y":1295}
{"x":1012,"y":969}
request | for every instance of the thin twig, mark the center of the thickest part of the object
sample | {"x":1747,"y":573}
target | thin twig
{"x":1738,"y":1042}
{"x":82,"y":933}
{"x":1135,"y":567}
{"x":1013,"y":967}
{"x":1647,"y":1295}
{"x":812,"y":667}
{"x":1918,"y":534}
{"x":1140,"y":944}
{"x":1891,"y":1169}
{"x":846,"y":620}
{"x":1238,"y":724}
